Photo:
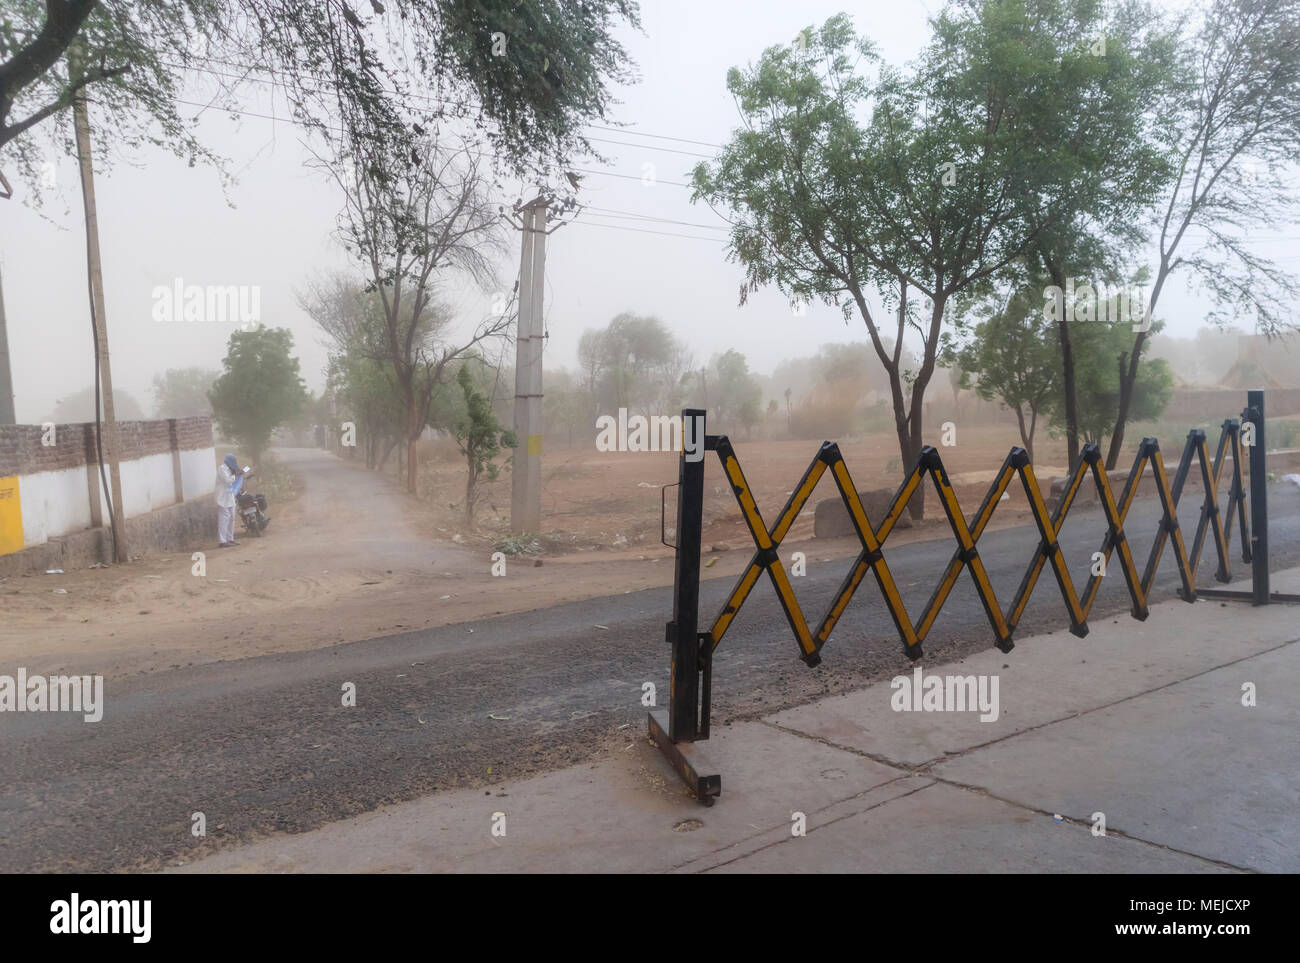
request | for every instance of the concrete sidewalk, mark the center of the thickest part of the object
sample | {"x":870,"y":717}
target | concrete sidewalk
{"x":1142,"y":722}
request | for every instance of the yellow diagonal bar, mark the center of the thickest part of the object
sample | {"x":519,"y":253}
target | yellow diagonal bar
{"x":776,"y":572}
{"x":1049,"y":529}
{"x":1108,"y":544}
{"x":734,"y":602}
{"x":983,"y":586}
{"x":871,"y":545}
{"x":803,"y":491}
{"x":745,"y":498}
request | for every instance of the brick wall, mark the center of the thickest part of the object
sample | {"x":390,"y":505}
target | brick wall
{"x":21,"y":451}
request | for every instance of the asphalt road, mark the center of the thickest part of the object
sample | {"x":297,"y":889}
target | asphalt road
{"x":265,"y":745}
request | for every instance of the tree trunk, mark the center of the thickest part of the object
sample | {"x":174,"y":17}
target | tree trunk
{"x":469,"y":495}
{"x":917,"y":505}
{"x":1026,"y":434}
{"x":916,"y":414}
{"x":1128,"y":378}
{"x":413,"y":429}
{"x":1127,"y":381}
{"x":1067,"y":367}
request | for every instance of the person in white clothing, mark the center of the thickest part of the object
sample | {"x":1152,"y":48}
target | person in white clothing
{"x":229,"y":480}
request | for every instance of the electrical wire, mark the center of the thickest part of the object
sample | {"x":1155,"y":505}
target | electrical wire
{"x":470,"y":105}
{"x":472,"y":153}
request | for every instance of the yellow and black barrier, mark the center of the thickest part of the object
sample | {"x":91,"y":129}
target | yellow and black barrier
{"x":687,"y":718}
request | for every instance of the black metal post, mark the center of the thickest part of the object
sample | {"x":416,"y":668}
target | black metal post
{"x":1258,"y":498}
{"x":684,"y":697}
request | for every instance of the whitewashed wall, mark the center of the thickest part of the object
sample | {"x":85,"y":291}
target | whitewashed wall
{"x":55,"y":503}
{"x":199,"y":472}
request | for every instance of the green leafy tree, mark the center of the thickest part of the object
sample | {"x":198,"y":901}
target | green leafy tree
{"x":182,"y":392}
{"x":622,"y":362}
{"x":1012,"y":357}
{"x":912,"y":202}
{"x":365,"y":397}
{"x":1102,"y":352}
{"x":480,"y":438}
{"x":539,"y":69}
{"x":739,"y":395}
{"x":260,"y":389}
{"x":1093,"y":167}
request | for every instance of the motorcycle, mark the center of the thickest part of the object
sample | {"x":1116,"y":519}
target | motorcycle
{"x":252,"y":509}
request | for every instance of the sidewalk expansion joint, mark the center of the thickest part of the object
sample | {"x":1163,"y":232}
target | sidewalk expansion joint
{"x":811,"y":829}
{"x":1087,"y":824}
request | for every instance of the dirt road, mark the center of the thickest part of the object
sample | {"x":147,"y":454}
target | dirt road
{"x":347,"y":559}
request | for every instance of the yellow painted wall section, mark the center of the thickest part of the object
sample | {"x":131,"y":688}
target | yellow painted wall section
{"x":11,"y":516}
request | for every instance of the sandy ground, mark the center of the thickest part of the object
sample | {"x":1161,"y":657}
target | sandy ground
{"x":352,"y":557}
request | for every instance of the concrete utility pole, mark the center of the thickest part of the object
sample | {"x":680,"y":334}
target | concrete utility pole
{"x":526,"y":477}
{"x":6,"y":379}
{"x":81,"y":121}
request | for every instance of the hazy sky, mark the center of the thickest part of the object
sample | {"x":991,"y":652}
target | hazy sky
{"x":160,"y":220}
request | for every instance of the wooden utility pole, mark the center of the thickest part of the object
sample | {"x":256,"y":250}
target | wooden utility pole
{"x":526,"y":475}
{"x":109,"y":437}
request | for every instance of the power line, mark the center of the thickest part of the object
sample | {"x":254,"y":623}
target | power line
{"x":644,"y":230}
{"x":455,"y":103}
{"x":694,"y":237}
{"x":472,"y":153}
{"x":610,"y":212}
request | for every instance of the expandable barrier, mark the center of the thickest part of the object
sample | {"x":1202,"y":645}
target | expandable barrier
{"x":687,"y":717}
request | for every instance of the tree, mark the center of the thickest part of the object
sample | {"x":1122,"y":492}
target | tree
{"x":1101,"y":346}
{"x":739,"y":395}
{"x":260,"y":389}
{"x":1093,"y":167}
{"x":79,"y":407}
{"x":633,"y":361}
{"x":416,"y":230}
{"x":1014,"y":357}
{"x":539,"y":69}
{"x":182,"y":392}
{"x":363,"y":386}
{"x":1232,"y":125}
{"x":480,"y":438}
{"x":914,"y":201}
{"x":364,"y":396}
